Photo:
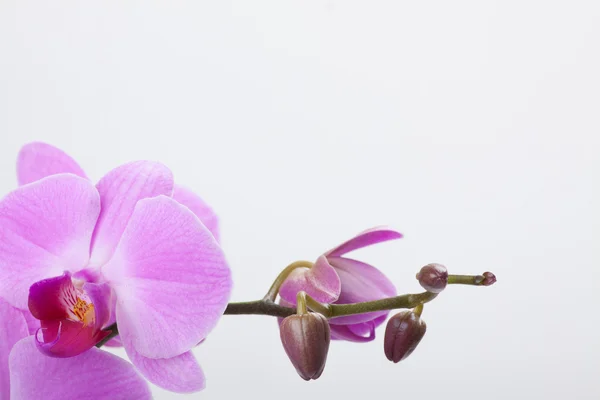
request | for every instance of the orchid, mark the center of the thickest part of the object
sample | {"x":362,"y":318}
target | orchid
{"x":129,"y":250}
{"x":336,"y":279}
{"x":135,"y":261}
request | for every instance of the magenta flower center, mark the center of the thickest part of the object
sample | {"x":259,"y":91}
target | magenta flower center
{"x":72,"y":314}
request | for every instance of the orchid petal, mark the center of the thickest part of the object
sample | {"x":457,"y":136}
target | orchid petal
{"x":49,"y":298}
{"x":358,"y":318}
{"x":120,"y":191}
{"x":356,"y":332}
{"x":343,"y":332}
{"x":114,"y":342}
{"x":101,"y":296}
{"x":364,"y":239}
{"x":66,"y":338}
{"x":95,"y":374}
{"x":33,"y":324}
{"x":180,"y":374}
{"x":45,"y":229}
{"x":170,"y":277}
{"x":38,"y":160}
{"x":199,"y":207}
{"x":360,"y":282}
{"x":321,"y":282}
{"x":14,"y":328}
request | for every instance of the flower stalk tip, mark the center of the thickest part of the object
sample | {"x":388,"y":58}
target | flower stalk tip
{"x":488,"y":279}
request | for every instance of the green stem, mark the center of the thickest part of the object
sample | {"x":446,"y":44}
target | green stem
{"x":418,"y":309}
{"x":391,"y":303}
{"x":301,"y":308}
{"x":475,"y":280}
{"x":114,"y":331}
{"x":311,"y":303}
{"x":259,"y":307}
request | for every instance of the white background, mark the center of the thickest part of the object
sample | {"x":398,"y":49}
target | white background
{"x":471,"y":126}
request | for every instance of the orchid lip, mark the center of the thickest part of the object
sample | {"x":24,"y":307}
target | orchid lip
{"x":59,"y":298}
{"x":71,"y":338}
{"x":72,"y":313}
{"x":44,"y":346}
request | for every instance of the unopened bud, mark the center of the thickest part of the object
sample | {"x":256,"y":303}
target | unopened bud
{"x":488,"y":279}
{"x":433,"y":277}
{"x":305,"y":339}
{"x":403,"y":333}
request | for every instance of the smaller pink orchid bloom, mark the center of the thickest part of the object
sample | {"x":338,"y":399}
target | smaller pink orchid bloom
{"x":135,"y":249}
{"x":27,"y":374}
{"x":335,"y":279}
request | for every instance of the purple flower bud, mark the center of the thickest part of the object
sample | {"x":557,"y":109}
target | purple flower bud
{"x":489,"y":279}
{"x":403,"y":333}
{"x":433,"y":277}
{"x":305,"y":339}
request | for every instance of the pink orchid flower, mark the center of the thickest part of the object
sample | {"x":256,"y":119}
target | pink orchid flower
{"x":335,"y":279}
{"x":134,"y":249}
{"x":27,"y":374}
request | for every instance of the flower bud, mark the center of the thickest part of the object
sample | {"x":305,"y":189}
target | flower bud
{"x":403,"y":333}
{"x":433,"y":277}
{"x":305,"y":339}
{"x":488,"y":279}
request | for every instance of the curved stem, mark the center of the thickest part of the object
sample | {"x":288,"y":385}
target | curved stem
{"x":418,"y":309}
{"x":301,"y":308}
{"x":274,"y":289}
{"x":307,"y":301}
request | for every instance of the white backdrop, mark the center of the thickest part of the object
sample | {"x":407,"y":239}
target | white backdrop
{"x":471,"y":126}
